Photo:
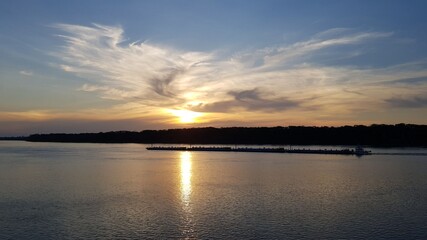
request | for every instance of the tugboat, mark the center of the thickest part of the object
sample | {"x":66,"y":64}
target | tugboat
{"x":359,"y":151}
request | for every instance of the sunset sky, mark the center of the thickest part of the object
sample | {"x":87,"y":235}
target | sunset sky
{"x":90,"y":66}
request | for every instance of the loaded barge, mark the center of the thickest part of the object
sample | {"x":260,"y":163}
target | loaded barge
{"x":358,"y":151}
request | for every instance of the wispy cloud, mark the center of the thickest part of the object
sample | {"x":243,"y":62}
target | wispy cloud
{"x":277,"y":57}
{"x":26,"y":73}
{"x":247,"y":100}
{"x":272,"y":79}
{"x":100,"y":55}
{"x":408,"y":102}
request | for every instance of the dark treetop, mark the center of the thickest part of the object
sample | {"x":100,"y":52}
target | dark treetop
{"x":374,"y":135}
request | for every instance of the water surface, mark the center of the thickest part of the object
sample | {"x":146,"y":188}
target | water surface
{"x":122,"y":191}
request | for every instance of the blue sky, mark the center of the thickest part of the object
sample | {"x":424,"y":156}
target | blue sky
{"x":77,"y":66}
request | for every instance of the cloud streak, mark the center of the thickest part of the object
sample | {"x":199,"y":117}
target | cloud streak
{"x":147,"y":71}
{"x":247,"y":100}
{"x":269,"y":80}
{"x":408,"y":102}
{"x":26,"y":73}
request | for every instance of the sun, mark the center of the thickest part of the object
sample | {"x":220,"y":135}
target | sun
{"x":186,"y":116}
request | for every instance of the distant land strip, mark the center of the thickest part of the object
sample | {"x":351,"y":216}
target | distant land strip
{"x":399,"y":135}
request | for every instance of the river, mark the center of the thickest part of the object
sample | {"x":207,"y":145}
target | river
{"x":123,"y":191}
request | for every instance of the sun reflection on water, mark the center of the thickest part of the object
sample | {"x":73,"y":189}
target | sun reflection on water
{"x":185,"y":177}
{"x":186,"y":173}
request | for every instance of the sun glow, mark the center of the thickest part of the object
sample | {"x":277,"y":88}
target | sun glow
{"x":186,"y":116}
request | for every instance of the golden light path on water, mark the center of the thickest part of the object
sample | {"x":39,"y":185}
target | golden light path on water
{"x":185,"y":177}
{"x":186,"y":173}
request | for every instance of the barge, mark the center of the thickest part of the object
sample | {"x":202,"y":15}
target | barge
{"x":358,"y":151}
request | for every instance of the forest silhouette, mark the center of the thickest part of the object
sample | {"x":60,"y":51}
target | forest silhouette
{"x":399,"y":135}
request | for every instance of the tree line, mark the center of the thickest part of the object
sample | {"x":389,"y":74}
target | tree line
{"x":373,"y":135}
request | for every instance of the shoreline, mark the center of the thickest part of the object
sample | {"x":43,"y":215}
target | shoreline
{"x":222,"y":144}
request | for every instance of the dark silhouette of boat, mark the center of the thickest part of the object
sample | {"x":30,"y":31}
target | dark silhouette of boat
{"x":358,"y":151}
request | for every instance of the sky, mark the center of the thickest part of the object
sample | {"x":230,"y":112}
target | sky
{"x":91,"y":66}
